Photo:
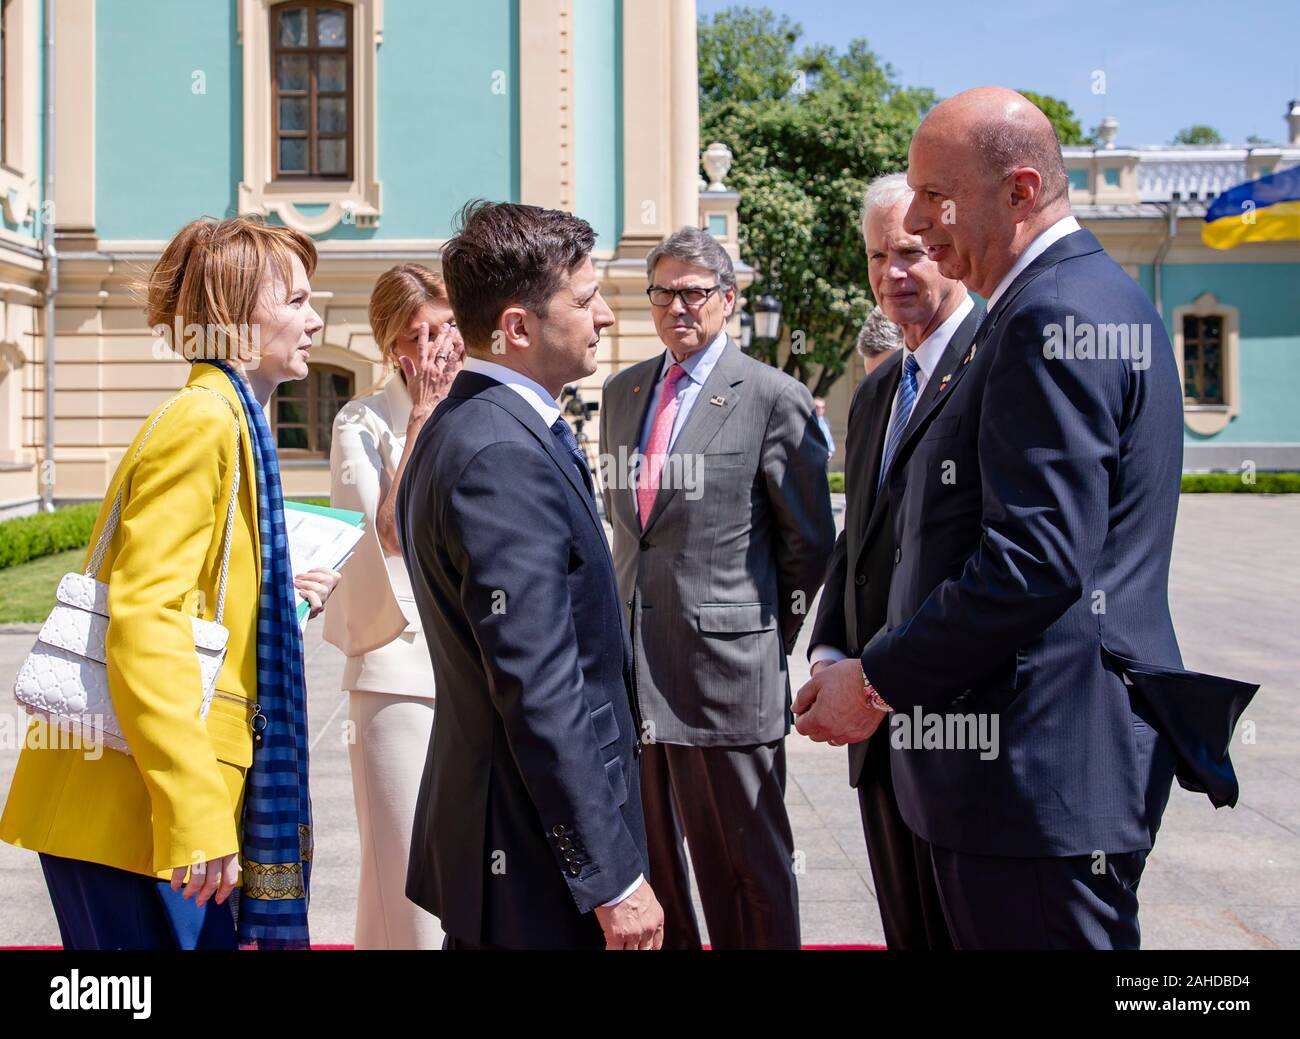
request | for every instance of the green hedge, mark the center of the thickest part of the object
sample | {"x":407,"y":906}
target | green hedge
{"x":33,"y":537}
{"x":1235,"y":483}
{"x":1196,"y":483}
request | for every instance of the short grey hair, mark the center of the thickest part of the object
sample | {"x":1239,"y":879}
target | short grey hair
{"x":883,"y":193}
{"x":695,"y":246}
{"x":878,"y":336}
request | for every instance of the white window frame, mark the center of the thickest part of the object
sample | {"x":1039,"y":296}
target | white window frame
{"x":358,"y":201}
{"x":19,"y":182}
{"x":1208,"y":419}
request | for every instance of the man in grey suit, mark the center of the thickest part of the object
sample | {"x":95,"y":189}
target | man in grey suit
{"x":722,"y":531}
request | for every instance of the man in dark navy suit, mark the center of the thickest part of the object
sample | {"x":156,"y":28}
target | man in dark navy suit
{"x":937,"y":319}
{"x":1033,"y":513}
{"x":528,"y":828}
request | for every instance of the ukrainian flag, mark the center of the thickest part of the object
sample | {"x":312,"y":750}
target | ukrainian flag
{"x":1264,"y":210}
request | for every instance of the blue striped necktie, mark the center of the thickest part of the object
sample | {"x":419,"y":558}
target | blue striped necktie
{"x":569,"y":442}
{"x":906,"y":401}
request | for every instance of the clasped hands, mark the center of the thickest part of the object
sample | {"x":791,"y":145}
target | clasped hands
{"x":832,"y":706}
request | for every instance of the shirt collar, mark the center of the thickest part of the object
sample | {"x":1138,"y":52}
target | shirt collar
{"x":931,"y":348}
{"x":1048,"y":238}
{"x":698,"y":366}
{"x":533,"y":392}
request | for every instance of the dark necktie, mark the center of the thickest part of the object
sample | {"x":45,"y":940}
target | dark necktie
{"x":569,"y":442}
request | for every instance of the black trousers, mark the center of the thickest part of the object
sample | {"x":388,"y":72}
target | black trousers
{"x":901,"y":870}
{"x":1074,"y":902}
{"x":729,"y":805}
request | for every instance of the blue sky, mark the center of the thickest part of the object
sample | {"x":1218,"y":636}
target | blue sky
{"x":1168,"y":65}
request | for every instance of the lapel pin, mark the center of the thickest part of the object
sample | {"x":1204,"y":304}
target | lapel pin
{"x":943,"y":383}
{"x":636,"y":389}
{"x":717,"y":401}
{"x":970,"y":355}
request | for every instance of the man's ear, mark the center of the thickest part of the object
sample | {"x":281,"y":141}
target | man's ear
{"x":729,"y":303}
{"x":1026,"y":188}
{"x":512,"y":328}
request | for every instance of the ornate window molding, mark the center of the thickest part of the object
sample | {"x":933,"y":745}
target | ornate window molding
{"x":11,"y":404}
{"x":19,"y":173}
{"x":358,"y":200}
{"x":1208,"y":419}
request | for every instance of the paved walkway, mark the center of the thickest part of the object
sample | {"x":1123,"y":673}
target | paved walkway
{"x":1226,"y":879}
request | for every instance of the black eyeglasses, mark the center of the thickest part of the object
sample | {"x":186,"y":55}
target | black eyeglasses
{"x":692,"y":297}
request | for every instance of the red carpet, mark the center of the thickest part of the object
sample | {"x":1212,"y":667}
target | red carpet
{"x":49,"y":948}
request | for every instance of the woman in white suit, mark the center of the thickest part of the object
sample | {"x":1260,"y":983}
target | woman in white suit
{"x":372,"y":616}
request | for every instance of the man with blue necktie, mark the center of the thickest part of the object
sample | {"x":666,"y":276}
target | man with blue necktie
{"x":938,"y":320}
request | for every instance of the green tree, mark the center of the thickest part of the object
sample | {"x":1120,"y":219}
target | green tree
{"x":1062,"y":117}
{"x":1198,"y":134}
{"x":810,"y":127}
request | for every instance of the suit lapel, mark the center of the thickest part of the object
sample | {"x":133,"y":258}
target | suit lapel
{"x":705,"y":419}
{"x":874,"y":449}
{"x":472,"y":384}
{"x":1077,"y":243}
{"x":631,"y":409}
{"x":954,"y":363}
{"x":209,"y":375}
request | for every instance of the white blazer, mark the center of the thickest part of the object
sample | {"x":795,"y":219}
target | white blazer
{"x":371,"y":616}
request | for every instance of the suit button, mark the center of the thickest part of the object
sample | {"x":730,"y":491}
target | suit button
{"x":558,"y":830}
{"x":566,"y":845}
{"x":898,"y":554}
{"x":860,"y":580}
{"x":574,"y":870}
{"x":645,"y":546}
{"x":629,"y":604}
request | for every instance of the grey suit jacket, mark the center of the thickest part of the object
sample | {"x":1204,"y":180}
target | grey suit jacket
{"x":718,"y":583}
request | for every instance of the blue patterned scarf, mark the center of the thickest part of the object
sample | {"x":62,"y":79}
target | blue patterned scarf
{"x":276,"y":841}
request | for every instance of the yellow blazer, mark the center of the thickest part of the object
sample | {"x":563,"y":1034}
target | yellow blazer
{"x":176,"y":799}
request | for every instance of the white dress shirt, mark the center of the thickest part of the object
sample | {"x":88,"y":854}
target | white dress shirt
{"x":927,"y":353}
{"x":697,"y":368}
{"x":538,"y":396}
{"x":1048,"y":238}
{"x":541,"y":401}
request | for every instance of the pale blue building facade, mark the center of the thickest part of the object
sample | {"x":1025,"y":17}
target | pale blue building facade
{"x":367,"y":124}
{"x":1233,"y":315}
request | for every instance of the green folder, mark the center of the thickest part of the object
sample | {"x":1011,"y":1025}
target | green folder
{"x":355,"y":519}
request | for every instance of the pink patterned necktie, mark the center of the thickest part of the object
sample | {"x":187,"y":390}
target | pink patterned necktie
{"x":657,"y":448}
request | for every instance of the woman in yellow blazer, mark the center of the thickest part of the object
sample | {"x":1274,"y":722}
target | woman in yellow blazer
{"x":117,"y":833}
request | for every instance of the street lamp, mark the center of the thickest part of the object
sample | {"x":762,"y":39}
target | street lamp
{"x":746,"y":330}
{"x":767,"y":317}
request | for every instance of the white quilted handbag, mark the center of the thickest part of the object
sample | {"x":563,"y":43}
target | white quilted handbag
{"x":64,"y":679}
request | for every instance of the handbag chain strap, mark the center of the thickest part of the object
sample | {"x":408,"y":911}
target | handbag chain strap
{"x":114,"y":514}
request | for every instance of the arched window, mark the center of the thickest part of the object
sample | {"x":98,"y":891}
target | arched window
{"x":311,"y":91}
{"x":304,"y":411}
{"x":1206,"y":337}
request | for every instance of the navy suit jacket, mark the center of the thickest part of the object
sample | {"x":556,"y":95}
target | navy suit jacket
{"x":1034,"y":509}
{"x":529,"y":809}
{"x":855,"y":598}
